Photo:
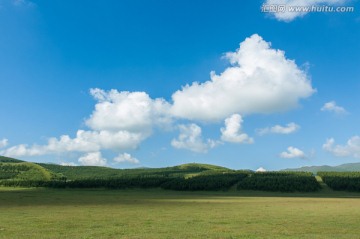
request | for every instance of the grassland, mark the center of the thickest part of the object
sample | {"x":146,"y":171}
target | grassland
{"x":72,"y":213}
{"x":230,"y":212}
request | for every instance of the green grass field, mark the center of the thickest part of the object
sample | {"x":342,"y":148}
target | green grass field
{"x":65,"y":213}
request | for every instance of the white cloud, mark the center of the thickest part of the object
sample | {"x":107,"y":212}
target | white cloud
{"x":92,"y":159}
{"x":20,"y":150}
{"x":68,"y":164}
{"x":260,"y":80}
{"x":190,"y":138}
{"x":120,"y":121}
{"x":332,"y":107}
{"x":288,"y":14}
{"x":126,"y":158}
{"x":131,"y":111}
{"x":293,"y":152}
{"x":232,"y":131}
{"x":261,"y":170}
{"x":278,"y":129}
{"x":351,"y":149}
{"x":85,"y":141}
{"x":3,"y":143}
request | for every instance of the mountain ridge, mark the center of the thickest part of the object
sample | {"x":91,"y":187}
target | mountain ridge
{"x":348,"y":167}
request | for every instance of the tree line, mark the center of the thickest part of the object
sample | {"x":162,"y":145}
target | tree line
{"x":211,"y":180}
{"x":280,"y":181}
{"x":206,"y":182}
{"x":341,"y":181}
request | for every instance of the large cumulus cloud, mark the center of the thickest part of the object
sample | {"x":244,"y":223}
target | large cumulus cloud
{"x":260,"y":80}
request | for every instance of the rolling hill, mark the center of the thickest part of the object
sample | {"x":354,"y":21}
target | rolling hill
{"x":16,"y":170}
{"x":82,"y":172}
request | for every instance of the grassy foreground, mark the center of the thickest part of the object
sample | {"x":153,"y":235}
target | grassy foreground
{"x":65,"y":213}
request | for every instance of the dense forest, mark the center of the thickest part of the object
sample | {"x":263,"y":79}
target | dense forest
{"x":280,"y":181}
{"x":342,"y":181}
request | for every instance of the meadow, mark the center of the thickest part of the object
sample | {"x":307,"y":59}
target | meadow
{"x":156,"y":213}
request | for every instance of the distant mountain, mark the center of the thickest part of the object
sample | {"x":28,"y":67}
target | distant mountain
{"x":349,"y":167}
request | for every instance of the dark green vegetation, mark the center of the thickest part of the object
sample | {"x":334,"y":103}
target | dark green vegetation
{"x":186,"y":177}
{"x":206,"y":181}
{"x":182,"y":177}
{"x":345,"y":181}
{"x":153,"y":213}
{"x":280,"y":181}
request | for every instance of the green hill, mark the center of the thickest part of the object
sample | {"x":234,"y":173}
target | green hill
{"x":82,"y":172}
{"x":13,"y":171}
{"x":198,"y":166}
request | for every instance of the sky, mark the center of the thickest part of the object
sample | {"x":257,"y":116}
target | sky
{"x":126,"y":84}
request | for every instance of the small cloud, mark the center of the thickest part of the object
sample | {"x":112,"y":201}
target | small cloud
{"x":126,"y":158}
{"x":92,"y":159}
{"x":190,"y":138}
{"x":332,"y":107}
{"x":85,"y":141}
{"x":260,"y":170}
{"x":278,"y":129}
{"x":232,"y":131}
{"x":68,"y":164}
{"x":3,"y":143}
{"x":293,"y":152}
{"x":350,"y":149}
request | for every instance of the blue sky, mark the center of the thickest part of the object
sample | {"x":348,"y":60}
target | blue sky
{"x":104,"y":83}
